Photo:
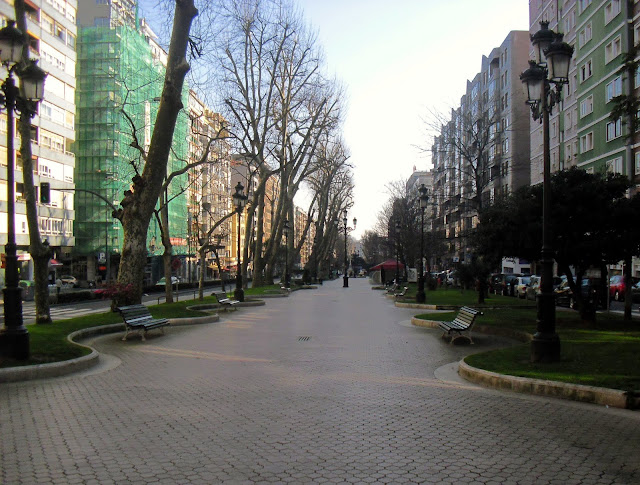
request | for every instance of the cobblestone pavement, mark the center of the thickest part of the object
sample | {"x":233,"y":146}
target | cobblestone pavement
{"x":328,"y":386}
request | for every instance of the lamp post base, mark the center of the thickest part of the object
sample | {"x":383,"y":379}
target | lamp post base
{"x":421,"y":297}
{"x":345,"y":281}
{"x":545,"y":348}
{"x":238,"y":294}
{"x":14,"y":337}
{"x":14,"y":344}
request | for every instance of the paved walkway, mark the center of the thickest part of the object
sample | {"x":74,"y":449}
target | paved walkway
{"x":329,"y":386}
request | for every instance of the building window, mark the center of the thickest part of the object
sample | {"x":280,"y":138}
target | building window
{"x":611,"y":10}
{"x":585,"y":71}
{"x":586,"y":106}
{"x":614,"y":129}
{"x":586,"y":142}
{"x":615,"y":165}
{"x":614,"y":88}
{"x":613,"y":49}
{"x":637,"y":164}
{"x":585,"y":34}
{"x":582,"y":4}
{"x":570,"y":21}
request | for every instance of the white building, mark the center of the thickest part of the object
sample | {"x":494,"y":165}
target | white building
{"x":51,"y":26}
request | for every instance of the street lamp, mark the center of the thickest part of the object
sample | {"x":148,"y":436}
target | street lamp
{"x":397,"y":253}
{"x":551,"y":67}
{"x":345,"y":277}
{"x":424,"y":200}
{"x":239,"y":201}
{"x":14,"y":337}
{"x":285,"y":229}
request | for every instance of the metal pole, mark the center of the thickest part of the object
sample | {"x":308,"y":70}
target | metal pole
{"x":14,"y":338}
{"x":420,"y":295}
{"x":397,"y":260}
{"x":545,"y":346}
{"x":286,"y":260}
{"x":345,"y":278}
{"x":239,"y":293}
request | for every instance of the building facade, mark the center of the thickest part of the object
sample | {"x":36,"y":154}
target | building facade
{"x":584,"y":129}
{"x":482,"y":151}
{"x":120,"y":70}
{"x":51,"y":30}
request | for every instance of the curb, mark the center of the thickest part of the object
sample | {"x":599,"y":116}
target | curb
{"x":538,"y":387}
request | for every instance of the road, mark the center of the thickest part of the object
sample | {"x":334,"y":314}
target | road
{"x":327,"y":386}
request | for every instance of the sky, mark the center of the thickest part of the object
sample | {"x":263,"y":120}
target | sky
{"x":400,"y":61}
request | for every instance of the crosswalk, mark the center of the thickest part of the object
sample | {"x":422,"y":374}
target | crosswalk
{"x":56,"y":312}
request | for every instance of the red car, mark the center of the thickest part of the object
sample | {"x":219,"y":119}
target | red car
{"x":616,"y":287}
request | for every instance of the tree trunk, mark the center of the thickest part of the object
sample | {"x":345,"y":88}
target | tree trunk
{"x":202,"y":253}
{"x":139,"y":203}
{"x":168,"y":249}
{"x":39,"y":250}
{"x":628,"y":283}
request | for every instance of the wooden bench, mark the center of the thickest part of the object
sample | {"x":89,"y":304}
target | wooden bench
{"x":137,"y":317}
{"x":402,"y":293}
{"x":391,"y":289}
{"x":462,"y":323}
{"x":224,"y":301}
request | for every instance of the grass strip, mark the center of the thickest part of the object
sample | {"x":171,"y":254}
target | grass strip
{"x":604,"y":354}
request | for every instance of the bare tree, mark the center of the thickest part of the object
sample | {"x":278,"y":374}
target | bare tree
{"x":278,"y":104}
{"x":139,"y":202}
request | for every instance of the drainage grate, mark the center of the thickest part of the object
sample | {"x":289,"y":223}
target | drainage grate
{"x":303,"y":339}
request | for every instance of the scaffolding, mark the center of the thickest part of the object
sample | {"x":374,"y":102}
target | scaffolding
{"x":116,"y":72}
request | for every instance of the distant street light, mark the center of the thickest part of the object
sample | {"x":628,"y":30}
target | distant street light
{"x":14,"y":337}
{"x":239,"y":201}
{"x":287,"y":281}
{"x":424,"y":200}
{"x":397,"y":252}
{"x":345,"y":277}
{"x":550,"y":67}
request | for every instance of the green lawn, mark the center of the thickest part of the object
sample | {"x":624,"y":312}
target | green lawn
{"x":458,"y":297}
{"x":48,"y":343}
{"x":606,"y":354}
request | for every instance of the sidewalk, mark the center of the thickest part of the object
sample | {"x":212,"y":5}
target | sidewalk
{"x":332,"y":385}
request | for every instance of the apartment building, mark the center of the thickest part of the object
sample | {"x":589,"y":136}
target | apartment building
{"x":604,"y":38}
{"x":482,"y":151}
{"x":51,"y":30}
{"x":209,"y":190}
{"x":301,"y":218}
{"x":583,"y":130}
{"x":120,"y":68}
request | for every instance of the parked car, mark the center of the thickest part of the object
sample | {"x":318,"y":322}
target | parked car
{"x":174,"y":281}
{"x":592,"y":292}
{"x":617,"y":287}
{"x":507,"y":284}
{"x":68,"y":280}
{"x":521,"y":284}
{"x":533,"y":289}
{"x":635,"y":292}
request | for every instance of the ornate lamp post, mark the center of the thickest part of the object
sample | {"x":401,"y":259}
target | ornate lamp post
{"x":424,"y":200}
{"x":239,"y":201}
{"x":285,"y":229}
{"x":551,"y":67}
{"x":14,"y":337}
{"x":397,"y":228}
